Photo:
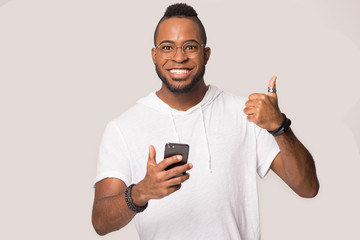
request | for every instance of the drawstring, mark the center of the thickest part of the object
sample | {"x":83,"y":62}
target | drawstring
{"x":206,"y":138}
{"x":173,"y":122}
{"x":205,"y":134}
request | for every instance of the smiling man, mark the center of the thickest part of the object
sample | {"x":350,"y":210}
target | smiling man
{"x":231,"y":139}
{"x":187,"y":68}
{"x":180,"y":56}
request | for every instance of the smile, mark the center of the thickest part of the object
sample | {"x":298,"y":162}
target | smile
{"x":179,"y":73}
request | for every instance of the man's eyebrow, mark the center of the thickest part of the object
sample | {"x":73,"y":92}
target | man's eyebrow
{"x":192,"y":40}
{"x":166,"y":41}
{"x":172,"y":42}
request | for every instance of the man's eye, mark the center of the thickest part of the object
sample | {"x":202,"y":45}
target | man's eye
{"x":191,"y":48}
{"x":166,"y":48}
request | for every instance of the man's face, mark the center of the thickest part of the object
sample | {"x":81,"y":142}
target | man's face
{"x":180,"y":73}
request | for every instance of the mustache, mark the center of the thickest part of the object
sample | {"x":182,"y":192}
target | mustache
{"x":185,"y":89}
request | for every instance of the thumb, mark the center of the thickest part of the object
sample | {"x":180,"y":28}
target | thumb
{"x":152,"y":155}
{"x":272,"y":83}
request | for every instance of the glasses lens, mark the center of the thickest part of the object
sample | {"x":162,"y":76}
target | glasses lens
{"x":191,"y":49}
{"x":167,"y":50}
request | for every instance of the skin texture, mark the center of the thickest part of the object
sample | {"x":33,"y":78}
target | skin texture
{"x":294,"y":164}
{"x":178,"y":31}
{"x":110,"y":211}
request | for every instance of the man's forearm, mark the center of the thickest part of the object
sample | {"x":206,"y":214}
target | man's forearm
{"x":298,"y":165}
{"x":111,"y":214}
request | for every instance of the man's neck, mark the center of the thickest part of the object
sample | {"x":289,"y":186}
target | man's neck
{"x":183,"y":101}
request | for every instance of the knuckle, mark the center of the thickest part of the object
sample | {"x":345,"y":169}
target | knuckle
{"x":173,"y":172}
{"x":177,"y":181}
{"x":157,"y":178}
{"x":169,"y":161}
{"x":184,"y":168}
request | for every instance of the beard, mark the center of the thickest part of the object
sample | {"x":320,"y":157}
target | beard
{"x":181,"y":89}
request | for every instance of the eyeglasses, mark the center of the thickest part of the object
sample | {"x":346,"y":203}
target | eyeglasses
{"x":189,"y":49}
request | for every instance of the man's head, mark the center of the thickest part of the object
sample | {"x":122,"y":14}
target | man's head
{"x":184,"y":67}
{"x":182,"y":10}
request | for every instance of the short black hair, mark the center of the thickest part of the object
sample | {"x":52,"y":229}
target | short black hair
{"x":182,"y":10}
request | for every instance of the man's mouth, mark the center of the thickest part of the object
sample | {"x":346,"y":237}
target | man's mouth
{"x":179,"y":74}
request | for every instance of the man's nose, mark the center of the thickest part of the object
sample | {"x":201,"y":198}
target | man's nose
{"x":179,"y":56}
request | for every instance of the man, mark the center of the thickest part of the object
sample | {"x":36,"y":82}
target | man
{"x":231,"y":141}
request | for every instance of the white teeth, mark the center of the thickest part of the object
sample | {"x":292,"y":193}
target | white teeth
{"x":179,"y":71}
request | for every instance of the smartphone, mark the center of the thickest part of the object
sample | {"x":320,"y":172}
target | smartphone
{"x":172,"y":149}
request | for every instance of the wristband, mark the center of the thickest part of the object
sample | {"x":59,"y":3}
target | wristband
{"x":130,"y":203}
{"x":283,"y":127}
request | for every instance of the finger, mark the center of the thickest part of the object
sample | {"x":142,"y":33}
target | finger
{"x":256,"y":96}
{"x":166,"y":191}
{"x":252,"y":118}
{"x":168,"y":161}
{"x":249,"y":110}
{"x":251,"y":103}
{"x":177,"y":170}
{"x":152,"y":155}
{"x":178,"y":180}
{"x":272,"y":83}
{"x":173,"y":189}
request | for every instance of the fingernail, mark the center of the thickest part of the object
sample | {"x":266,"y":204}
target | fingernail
{"x":179,"y":157}
{"x":190,"y":165}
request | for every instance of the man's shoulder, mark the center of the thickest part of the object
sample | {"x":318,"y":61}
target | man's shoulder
{"x":136,"y":113}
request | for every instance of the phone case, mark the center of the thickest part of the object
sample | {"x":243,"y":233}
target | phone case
{"x":172,"y":149}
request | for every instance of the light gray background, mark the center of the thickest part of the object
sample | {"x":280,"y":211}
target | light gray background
{"x":68,"y":67}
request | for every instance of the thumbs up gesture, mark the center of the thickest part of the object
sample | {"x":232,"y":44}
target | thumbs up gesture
{"x":263,"y":109}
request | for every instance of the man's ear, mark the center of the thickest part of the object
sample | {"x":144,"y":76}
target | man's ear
{"x":207,"y":52}
{"x":153,"y":54}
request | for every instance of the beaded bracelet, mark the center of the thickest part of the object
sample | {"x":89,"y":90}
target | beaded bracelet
{"x":130,"y":203}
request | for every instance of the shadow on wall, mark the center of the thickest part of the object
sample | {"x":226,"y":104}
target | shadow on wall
{"x":2,"y":2}
{"x":352,"y":120}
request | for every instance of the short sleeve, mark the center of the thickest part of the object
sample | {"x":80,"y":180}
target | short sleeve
{"x":266,"y":151}
{"x":114,"y":157}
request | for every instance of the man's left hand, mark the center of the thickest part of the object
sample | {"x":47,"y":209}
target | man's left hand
{"x":263,"y":110}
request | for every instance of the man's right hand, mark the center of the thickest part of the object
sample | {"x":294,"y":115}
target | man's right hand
{"x":158,"y":182}
{"x":109,"y":193}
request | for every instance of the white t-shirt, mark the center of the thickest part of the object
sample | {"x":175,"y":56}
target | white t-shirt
{"x":220,"y":200}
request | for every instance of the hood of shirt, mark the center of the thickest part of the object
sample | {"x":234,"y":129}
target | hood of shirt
{"x":154,"y":102}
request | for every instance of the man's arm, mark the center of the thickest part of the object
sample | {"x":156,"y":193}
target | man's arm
{"x":110,"y":211}
{"x":294,"y":164}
